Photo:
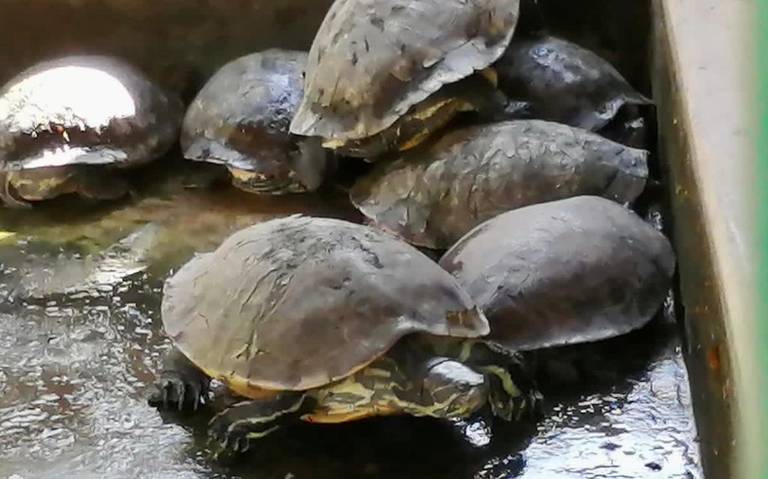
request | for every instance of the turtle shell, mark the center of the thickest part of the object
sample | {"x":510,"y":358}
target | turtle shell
{"x":298,"y":302}
{"x":568,"y":271}
{"x":92,"y":110}
{"x":434,"y":195}
{"x":564,"y":82}
{"x":372,"y":60}
{"x":240,"y":118}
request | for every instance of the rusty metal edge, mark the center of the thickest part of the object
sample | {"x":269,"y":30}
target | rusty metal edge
{"x":715,"y":274}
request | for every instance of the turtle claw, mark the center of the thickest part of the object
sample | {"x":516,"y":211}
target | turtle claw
{"x":173,"y":391}
{"x":229,"y":439}
{"x":227,"y":436}
{"x":228,"y":449}
{"x":179,"y":394}
{"x":224,"y":437}
{"x":242,"y":444}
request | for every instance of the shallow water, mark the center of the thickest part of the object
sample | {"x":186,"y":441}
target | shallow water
{"x":81,"y":339}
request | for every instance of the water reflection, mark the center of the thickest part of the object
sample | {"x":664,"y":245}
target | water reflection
{"x":80,"y":83}
{"x":187,"y":219}
{"x":75,"y":365}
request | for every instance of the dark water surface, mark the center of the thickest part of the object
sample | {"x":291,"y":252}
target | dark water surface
{"x":81,"y":338}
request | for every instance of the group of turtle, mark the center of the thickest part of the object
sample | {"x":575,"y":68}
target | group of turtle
{"x":491,"y":147}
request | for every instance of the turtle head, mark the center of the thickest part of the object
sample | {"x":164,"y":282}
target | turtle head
{"x":311,"y":163}
{"x":511,"y":392}
{"x":304,"y":170}
{"x":452,"y":389}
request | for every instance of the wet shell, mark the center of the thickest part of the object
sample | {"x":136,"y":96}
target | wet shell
{"x":240,"y":119}
{"x":564,"y":82}
{"x":563,"y":272}
{"x":434,"y":195}
{"x":299,"y":302}
{"x":372,"y":60}
{"x":91,"y":110}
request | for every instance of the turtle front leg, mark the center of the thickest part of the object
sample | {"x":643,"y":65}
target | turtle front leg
{"x":233,"y":429}
{"x":181,"y":385}
{"x":513,"y":393}
{"x":508,"y":399}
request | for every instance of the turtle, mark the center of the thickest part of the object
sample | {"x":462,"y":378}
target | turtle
{"x":633,"y":126}
{"x":560,"y":81}
{"x":68,"y":125}
{"x":327,"y":321}
{"x":240,"y":119}
{"x":383,"y":75}
{"x":570,"y":271}
{"x":431,"y":196}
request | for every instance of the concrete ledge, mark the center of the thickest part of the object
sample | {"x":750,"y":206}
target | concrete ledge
{"x":702,"y":54}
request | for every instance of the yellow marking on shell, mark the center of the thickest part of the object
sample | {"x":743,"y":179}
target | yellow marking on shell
{"x":377,"y":373}
{"x":454,"y":104}
{"x":449,"y":103}
{"x":241,"y":386}
{"x":430,"y":111}
{"x":242,"y":175}
{"x":333,"y":143}
{"x":42,"y":186}
{"x":329,"y":417}
{"x":415,"y":141}
{"x":5,"y":235}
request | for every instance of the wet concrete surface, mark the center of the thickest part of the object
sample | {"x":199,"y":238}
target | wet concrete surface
{"x":81,"y":339}
{"x":80,"y":286}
